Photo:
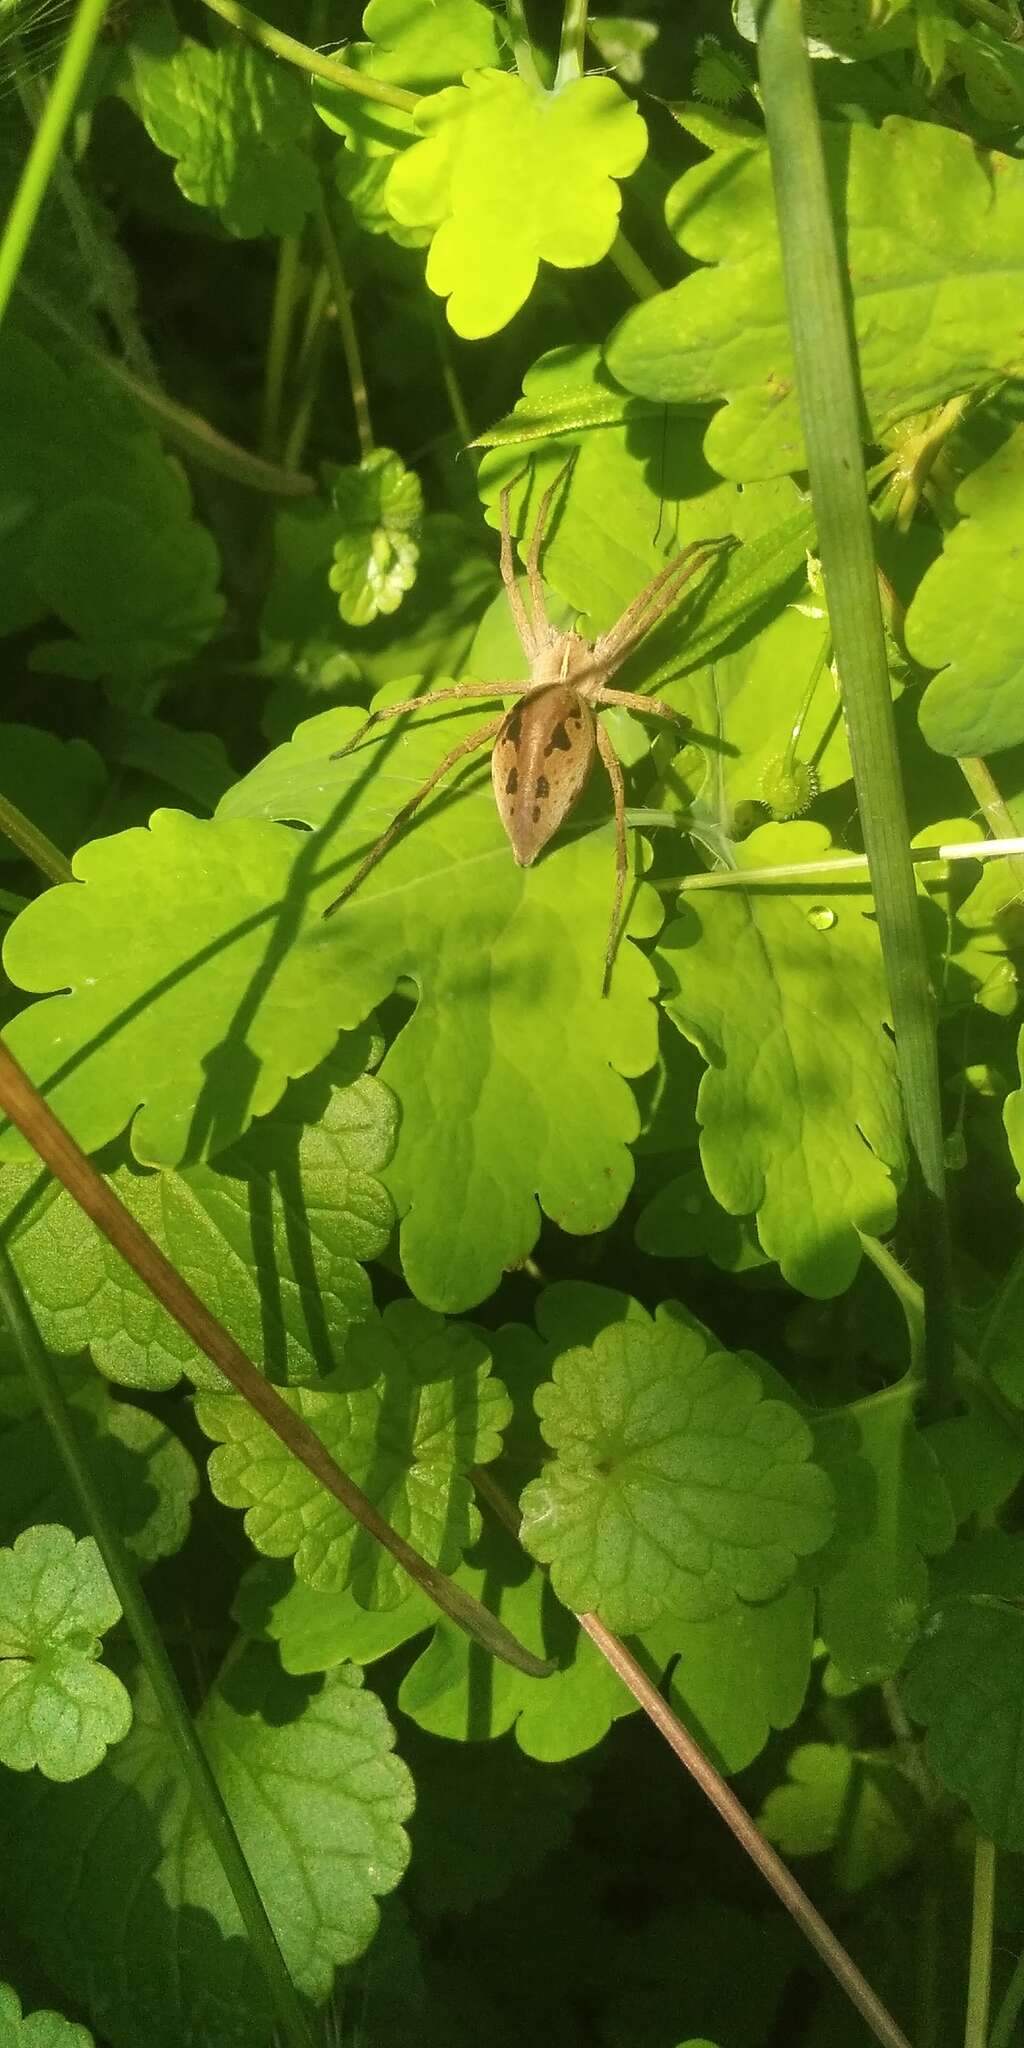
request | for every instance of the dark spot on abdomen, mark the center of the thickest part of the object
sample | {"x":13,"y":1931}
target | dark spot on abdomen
{"x":543,"y":786}
{"x":559,"y":739}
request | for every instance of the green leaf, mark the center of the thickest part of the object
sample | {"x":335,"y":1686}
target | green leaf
{"x":676,"y":1485}
{"x":37,"y":2029}
{"x":380,"y":508}
{"x":485,"y":1817}
{"x":190,"y":1005}
{"x":59,"y":784}
{"x":425,"y":47}
{"x":859,"y":1808}
{"x":59,"y":1709}
{"x":733,"y":1679}
{"x":507,"y":177}
{"x":148,"y":1477}
{"x":142,"y":594}
{"x":801,"y":1124}
{"x":314,"y":1630}
{"x":932,"y":286}
{"x":554,"y":1717}
{"x":965,"y":617}
{"x":238,"y":125}
{"x":429,"y":636}
{"x":895,"y":1512}
{"x":965,"y":1682}
{"x":114,"y":1882}
{"x":271,"y":1238}
{"x":510,"y":1017}
{"x":1014,"y":1118}
{"x":639,"y":491}
{"x":413,"y":1407}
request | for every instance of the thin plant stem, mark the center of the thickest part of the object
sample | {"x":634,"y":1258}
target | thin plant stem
{"x":46,"y":143}
{"x":313,"y":62}
{"x":797,"y":870}
{"x":282,"y":316}
{"x":979,"y":1980}
{"x":1004,"y":2026}
{"x":723,"y":1799}
{"x":91,"y":247}
{"x":33,"y":843}
{"x":307,"y":370}
{"x":631,"y":266}
{"x":57,"y":1149}
{"x":573,"y":40}
{"x":449,"y":378}
{"x":522,"y":47}
{"x":186,"y":430}
{"x":192,"y":1757}
{"x":828,"y":395}
{"x":346,"y":328}
{"x":992,"y":804}
{"x":1004,"y":23}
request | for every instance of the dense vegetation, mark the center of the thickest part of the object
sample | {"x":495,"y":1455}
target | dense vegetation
{"x":682,"y":1291}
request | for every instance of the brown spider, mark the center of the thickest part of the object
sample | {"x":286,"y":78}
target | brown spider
{"x":544,"y":748}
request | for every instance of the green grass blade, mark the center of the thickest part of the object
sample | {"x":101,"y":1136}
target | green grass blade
{"x":827,"y":385}
{"x":49,"y":135}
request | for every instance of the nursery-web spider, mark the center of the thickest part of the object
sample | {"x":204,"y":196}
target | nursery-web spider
{"x":544,"y":748}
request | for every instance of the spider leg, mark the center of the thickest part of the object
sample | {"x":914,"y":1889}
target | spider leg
{"x":634,"y":700}
{"x":430,"y":697}
{"x":481,"y":737}
{"x":527,"y":636}
{"x":537,"y":605}
{"x":610,"y":762}
{"x":651,"y":604}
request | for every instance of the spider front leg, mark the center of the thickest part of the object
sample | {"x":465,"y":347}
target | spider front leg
{"x":653,"y":602}
{"x":483,"y":735}
{"x":541,"y":623}
{"x":451,"y":691}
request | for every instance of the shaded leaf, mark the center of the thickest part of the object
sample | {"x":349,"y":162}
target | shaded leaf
{"x":734,"y":1678}
{"x":36,"y":2029}
{"x":237,"y":123}
{"x":860,"y":1808}
{"x":316,"y":1630}
{"x":782,"y":991}
{"x":485,"y":1817}
{"x":965,"y":1682}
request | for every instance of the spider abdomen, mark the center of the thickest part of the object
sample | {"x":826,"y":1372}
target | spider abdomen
{"x":540,"y":764}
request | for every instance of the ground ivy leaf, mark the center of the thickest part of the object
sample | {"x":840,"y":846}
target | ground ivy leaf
{"x":895,"y":1511}
{"x":510,"y":1016}
{"x":380,"y":507}
{"x":149,"y":1478}
{"x":190,"y":1006}
{"x":59,"y":1709}
{"x":411,"y":1410}
{"x":508,"y":177}
{"x":272,"y":1239}
{"x":314,"y":1630}
{"x":114,"y":1882}
{"x":73,"y":541}
{"x":965,"y":1682}
{"x":1013,"y":1116}
{"x":554,"y":1717}
{"x":934,"y":305}
{"x":675,"y":1485}
{"x":37,"y":2029}
{"x":59,"y":784}
{"x":785,"y":997}
{"x":736,"y":1677}
{"x":237,"y":124}
{"x":965,"y":616}
{"x":859,"y":1807}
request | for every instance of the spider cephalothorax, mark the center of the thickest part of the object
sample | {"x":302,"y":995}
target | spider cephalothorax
{"x":544,"y":748}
